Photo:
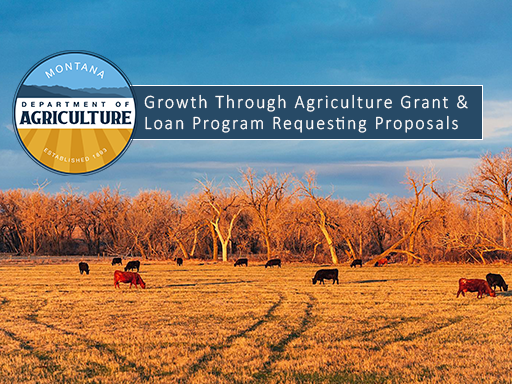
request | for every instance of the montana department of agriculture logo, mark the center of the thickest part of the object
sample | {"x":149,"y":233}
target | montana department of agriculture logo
{"x":74,"y":112}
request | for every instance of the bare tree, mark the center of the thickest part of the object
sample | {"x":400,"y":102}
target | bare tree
{"x":11,"y":220}
{"x":223,"y":208}
{"x":307,"y":188}
{"x":150,"y":213}
{"x":490,"y":186}
{"x":262,"y":215}
{"x":63,"y":217}
{"x":265,"y":196}
{"x":416,"y":212}
{"x":34,"y":215}
{"x":90,"y":224}
{"x":185,"y":226}
{"x":110,"y":207}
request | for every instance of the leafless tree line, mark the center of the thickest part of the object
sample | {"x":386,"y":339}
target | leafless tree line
{"x":272,"y":215}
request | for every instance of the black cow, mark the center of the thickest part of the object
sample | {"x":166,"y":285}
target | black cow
{"x":496,"y":280}
{"x":273,"y":262}
{"x":356,"y":262}
{"x":117,"y":260}
{"x":134,"y":264}
{"x":242,"y":261}
{"x":326,"y":274}
{"x":179,"y":261}
{"x":84,"y":267}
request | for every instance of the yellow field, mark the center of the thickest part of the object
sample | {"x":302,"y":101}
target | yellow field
{"x":220,"y":324}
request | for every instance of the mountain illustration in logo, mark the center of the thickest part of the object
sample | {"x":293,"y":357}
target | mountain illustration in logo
{"x":31,"y":91}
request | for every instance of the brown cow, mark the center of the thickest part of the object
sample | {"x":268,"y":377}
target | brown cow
{"x":128,"y":277}
{"x":381,"y":262}
{"x":475,"y":285}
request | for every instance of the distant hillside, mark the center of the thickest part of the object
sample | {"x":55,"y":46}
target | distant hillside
{"x":58,"y":91}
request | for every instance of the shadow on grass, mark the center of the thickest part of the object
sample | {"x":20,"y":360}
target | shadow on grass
{"x":377,"y":281}
{"x":201,"y":284}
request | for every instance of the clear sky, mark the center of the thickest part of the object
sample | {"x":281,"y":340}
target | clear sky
{"x":269,"y":42}
{"x":76,"y":73}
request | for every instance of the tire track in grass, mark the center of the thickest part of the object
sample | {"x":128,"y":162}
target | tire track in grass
{"x":278,"y":349}
{"x":4,"y":301}
{"x":140,"y":370}
{"x":447,"y":322}
{"x":44,"y":358}
{"x":393,"y":325}
{"x":124,"y":363}
{"x":217,"y":349}
{"x":389,"y":325}
{"x":47,"y":362}
{"x":415,"y":335}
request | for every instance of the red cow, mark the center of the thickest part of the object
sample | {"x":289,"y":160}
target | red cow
{"x":475,"y":285}
{"x":381,"y":262}
{"x":128,"y":277}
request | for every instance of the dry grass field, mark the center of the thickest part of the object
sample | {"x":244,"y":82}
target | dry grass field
{"x":219,"y":324}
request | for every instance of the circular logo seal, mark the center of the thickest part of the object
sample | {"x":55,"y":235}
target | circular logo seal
{"x":74,"y":112}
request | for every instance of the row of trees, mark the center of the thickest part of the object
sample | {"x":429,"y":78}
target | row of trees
{"x":271,"y":215}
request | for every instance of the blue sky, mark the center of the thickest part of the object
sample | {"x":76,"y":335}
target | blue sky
{"x":76,"y":70}
{"x":268,"y":42}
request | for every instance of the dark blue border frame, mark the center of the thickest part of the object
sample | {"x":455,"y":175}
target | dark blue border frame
{"x":23,"y":81}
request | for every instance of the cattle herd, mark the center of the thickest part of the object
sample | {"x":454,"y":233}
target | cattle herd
{"x":487,"y":286}
{"x":482,"y":286}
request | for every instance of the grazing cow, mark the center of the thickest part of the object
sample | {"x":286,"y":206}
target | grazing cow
{"x":357,"y":262}
{"x":273,"y":262}
{"x":382,"y":262}
{"x":128,"y":277}
{"x":326,"y":274}
{"x":475,"y":285}
{"x":179,"y":261}
{"x":83,"y":267}
{"x":493,"y":279}
{"x":242,"y":261}
{"x":134,"y":264}
{"x":117,"y":260}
